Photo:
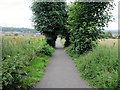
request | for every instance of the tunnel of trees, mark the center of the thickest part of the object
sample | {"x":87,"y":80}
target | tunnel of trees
{"x":80,"y":23}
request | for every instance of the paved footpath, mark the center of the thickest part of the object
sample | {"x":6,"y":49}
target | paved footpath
{"x":61,"y":72}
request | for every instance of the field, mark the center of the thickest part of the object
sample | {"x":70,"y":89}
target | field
{"x":109,"y":42}
{"x":99,"y":66}
{"x":23,"y":61}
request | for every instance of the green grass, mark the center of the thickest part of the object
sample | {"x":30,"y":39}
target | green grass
{"x":98,"y":67}
{"x":23,"y":61}
{"x":35,"y":71}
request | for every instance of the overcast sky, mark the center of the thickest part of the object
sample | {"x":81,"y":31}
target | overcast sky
{"x":17,"y":13}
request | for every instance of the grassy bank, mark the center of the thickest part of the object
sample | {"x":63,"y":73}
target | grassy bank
{"x":35,"y":71}
{"x":23,"y":61}
{"x":99,"y":67}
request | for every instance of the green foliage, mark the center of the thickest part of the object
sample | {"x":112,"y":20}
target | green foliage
{"x":11,"y":73}
{"x":99,"y":67}
{"x":63,"y":42}
{"x":35,"y":71}
{"x":49,"y":18}
{"x":108,"y":35}
{"x":18,"y":53}
{"x":44,"y":50}
{"x":85,"y":23}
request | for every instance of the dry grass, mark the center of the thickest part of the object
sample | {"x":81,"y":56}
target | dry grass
{"x":109,"y":42}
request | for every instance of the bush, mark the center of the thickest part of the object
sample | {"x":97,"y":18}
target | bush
{"x":44,"y":50}
{"x":12,"y":73}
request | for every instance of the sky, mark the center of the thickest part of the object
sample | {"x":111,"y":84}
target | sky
{"x":17,"y":13}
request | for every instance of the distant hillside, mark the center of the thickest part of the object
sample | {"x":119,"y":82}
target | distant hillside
{"x":26,"y":30}
{"x":113,"y":31}
{"x":19,"y":30}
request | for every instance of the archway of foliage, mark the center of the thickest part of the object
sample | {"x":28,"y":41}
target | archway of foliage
{"x":85,"y":22}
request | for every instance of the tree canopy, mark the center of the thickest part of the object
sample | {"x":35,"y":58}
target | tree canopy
{"x":49,"y":18}
{"x":85,"y":23}
{"x":81,"y":25}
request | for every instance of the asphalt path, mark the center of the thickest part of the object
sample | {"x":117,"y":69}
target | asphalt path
{"x":61,"y":72}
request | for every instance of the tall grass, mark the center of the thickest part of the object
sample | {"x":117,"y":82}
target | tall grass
{"x":18,"y":54}
{"x":19,"y":45}
{"x":99,"y":67}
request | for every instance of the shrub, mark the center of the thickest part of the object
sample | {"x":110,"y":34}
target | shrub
{"x":17,"y":53}
{"x":44,"y":50}
{"x":12,"y":73}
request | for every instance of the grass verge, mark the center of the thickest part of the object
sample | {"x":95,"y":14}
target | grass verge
{"x":99,"y":67}
{"x":35,"y":71}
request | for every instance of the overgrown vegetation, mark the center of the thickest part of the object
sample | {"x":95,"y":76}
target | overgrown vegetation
{"x":35,"y":71}
{"x":23,"y":61}
{"x":99,"y":66}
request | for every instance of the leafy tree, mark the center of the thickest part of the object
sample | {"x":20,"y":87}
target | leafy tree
{"x":108,"y":34}
{"x":49,"y":18}
{"x":65,"y":33}
{"x":86,"y":21}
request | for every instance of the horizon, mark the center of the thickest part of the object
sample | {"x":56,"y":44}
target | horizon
{"x":34,"y":29}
